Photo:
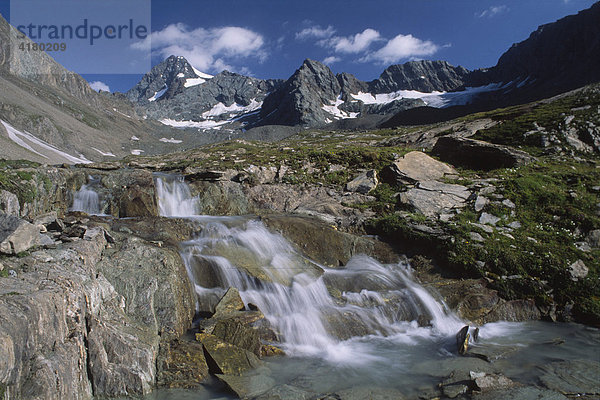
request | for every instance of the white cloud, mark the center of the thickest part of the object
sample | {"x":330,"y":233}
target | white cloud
{"x":331,"y":60}
{"x":402,"y":47}
{"x":315,"y":32}
{"x":352,"y":44}
{"x":98,"y":86}
{"x":210,"y":50}
{"x":492,"y":11}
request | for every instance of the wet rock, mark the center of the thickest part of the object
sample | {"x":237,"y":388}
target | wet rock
{"x":225,"y":358}
{"x":154,"y":282}
{"x":415,"y":167}
{"x":234,"y":332}
{"x":248,"y":385}
{"x":462,"y":340}
{"x":514,"y":310}
{"x":578,"y":270}
{"x":181,"y":364}
{"x":363,"y":183}
{"x":369,"y":392}
{"x":519,"y":393}
{"x":9,"y":203}
{"x":245,"y":318}
{"x":573,"y":377}
{"x":485,"y":381}
{"x":453,"y":391}
{"x":230,"y":302}
{"x":268,"y":350}
{"x":16,"y":235}
{"x":285,"y":392}
{"x":477,"y":154}
{"x":324,"y":244}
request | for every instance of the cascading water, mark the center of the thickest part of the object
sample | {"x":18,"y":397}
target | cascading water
{"x":295,"y":293}
{"x":350,"y":330}
{"x":86,"y":199}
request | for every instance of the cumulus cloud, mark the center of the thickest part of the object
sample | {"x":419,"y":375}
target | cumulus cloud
{"x":492,"y":11}
{"x":315,"y":32}
{"x":98,"y":86}
{"x":402,"y":47}
{"x":211,"y":50}
{"x":331,"y":60}
{"x":352,"y":44}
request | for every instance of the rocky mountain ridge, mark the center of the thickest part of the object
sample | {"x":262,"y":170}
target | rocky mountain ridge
{"x":559,"y":56}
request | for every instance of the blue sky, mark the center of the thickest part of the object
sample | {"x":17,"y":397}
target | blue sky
{"x":271,"y":38}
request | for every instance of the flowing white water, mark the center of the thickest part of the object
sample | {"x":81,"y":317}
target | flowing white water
{"x":86,"y":199}
{"x":295,"y":294}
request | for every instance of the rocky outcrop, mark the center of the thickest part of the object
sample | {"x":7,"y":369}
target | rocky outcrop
{"x":556,"y":57}
{"x":423,"y":76}
{"x":90,"y":312}
{"x":476,"y":154}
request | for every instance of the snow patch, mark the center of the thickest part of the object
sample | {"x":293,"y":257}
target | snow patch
{"x":202,"y":74}
{"x":432,"y":99}
{"x":103,"y":153}
{"x":21,"y":139}
{"x":159,"y":94}
{"x":334,"y":109}
{"x":193,"y":124}
{"x":135,"y":138}
{"x":220,"y":109}
{"x":137,"y":152}
{"x":165,"y":140}
{"x":180,"y":75}
{"x":189,"y":82}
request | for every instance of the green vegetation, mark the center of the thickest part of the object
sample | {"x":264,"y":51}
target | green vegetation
{"x":518,"y":123}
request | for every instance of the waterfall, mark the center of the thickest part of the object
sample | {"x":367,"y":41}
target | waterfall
{"x":314,"y":309}
{"x":86,"y":199}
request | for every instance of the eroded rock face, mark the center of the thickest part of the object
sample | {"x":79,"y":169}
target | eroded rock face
{"x":84,"y":334}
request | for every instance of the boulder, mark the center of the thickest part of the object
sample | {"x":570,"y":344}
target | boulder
{"x":225,"y":358}
{"x":514,"y":310}
{"x":17,"y":235}
{"x":433,"y":198}
{"x":363,"y":183}
{"x":181,"y":364}
{"x":414,"y":167}
{"x":488,"y":219}
{"x":234,"y":332}
{"x":578,"y":270}
{"x":248,"y":386}
{"x":9,"y":203}
{"x":462,"y":340}
{"x":230,"y":302}
{"x":593,"y":239}
{"x":477,"y":154}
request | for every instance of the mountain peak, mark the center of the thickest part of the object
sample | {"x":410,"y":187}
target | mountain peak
{"x":166,"y":79}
